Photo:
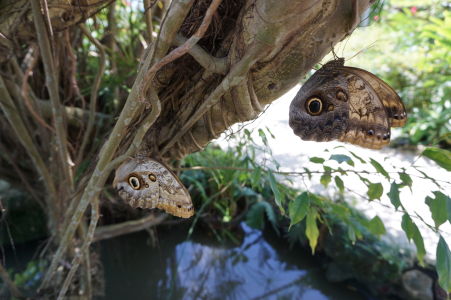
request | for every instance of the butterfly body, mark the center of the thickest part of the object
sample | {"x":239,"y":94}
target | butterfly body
{"x":146,"y":183}
{"x":346,"y":104}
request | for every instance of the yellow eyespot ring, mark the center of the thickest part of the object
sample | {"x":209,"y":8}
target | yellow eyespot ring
{"x":134,"y":182}
{"x":152,"y":177}
{"x":314,"y":106}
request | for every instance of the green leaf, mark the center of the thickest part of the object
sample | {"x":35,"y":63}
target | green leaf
{"x":375,"y":191}
{"x":376,"y":226}
{"x":339,"y":183}
{"x":438,"y":207}
{"x":298,"y":208}
{"x":342,"y":158}
{"x":311,"y":230}
{"x":443,"y":265}
{"x":406,"y":179}
{"x":254,"y":217}
{"x":413,"y":233}
{"x":317,"y":160}
{"x":263,"y":137}
{"x":379,"y":168}
{"x":441,"y":156}
{"x":393,"y":195}
{"x":358,"y":157}
{"x":351,"y":234}
{"x":325,"y":179}
{"x":278,"y":196}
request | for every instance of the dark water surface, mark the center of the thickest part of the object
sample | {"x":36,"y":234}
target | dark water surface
{"x":261,"y":266}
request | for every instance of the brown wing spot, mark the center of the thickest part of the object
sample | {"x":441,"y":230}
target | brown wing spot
{"x":152,"y":177}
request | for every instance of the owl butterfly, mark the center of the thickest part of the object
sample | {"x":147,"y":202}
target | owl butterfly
{"x":143,"y":182}
{"x":346,"y":104}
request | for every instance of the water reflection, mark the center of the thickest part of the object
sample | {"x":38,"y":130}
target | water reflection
{"x":261,"y":267}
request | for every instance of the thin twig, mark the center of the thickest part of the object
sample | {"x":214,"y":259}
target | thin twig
{"x":183,"y":49}
{"x":112,"y":231}
{"x":11,"y":113}
{"x":25,"y":88}
{"x":209,"y":62}
{"x":51,"y":80}
{"x":94,"y":92}
{"x":148,"y":18}
{"x":171,"y":24}
{"x":84,"y":249}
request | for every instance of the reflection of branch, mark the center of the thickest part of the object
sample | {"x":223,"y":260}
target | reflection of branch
{"x":111,"y":231}
{"x":281,"y":288}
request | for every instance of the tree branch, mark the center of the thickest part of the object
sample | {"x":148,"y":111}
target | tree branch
{"x":94,"y":92}
{"x":112,"y":231}
{"x":11,"y":113}
{"x":209,"y":62}
{"x":51,"y":80}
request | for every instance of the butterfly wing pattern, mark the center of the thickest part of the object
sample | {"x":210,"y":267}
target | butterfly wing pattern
{"x":146,"y":183}
{"x":346,"y":104}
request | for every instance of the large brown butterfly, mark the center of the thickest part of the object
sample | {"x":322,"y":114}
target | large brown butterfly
{"x":146,"y":183}
{"x":346,"y":104}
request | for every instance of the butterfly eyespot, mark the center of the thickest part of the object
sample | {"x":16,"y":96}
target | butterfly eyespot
{"x":133,"y":181}
{"x":152,"y":177}
{"x":341,"y":96}
{"x":314,"y":106}
{"x":179,"y":205}
{"x":370,"y":132}
{"x":386,"y":136}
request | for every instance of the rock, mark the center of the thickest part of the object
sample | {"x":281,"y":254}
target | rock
{"x":417,"y":285}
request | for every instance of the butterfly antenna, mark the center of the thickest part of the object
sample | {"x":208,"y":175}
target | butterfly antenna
{"x":364,"y":49}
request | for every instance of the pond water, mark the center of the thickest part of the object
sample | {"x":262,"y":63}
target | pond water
{"x":261,"y":266}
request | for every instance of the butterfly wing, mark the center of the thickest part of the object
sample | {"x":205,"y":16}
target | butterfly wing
{"x":386,"y":94}
{"x":146,"y":183}
{"x":368,"y":124}
{"x":173,"y":196}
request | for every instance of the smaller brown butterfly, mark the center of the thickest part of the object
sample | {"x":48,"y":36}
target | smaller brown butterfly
{"x":346,"y":104}
{"x":146,"y":183}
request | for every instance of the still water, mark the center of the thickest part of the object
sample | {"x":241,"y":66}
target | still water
{"x":260,"y":266}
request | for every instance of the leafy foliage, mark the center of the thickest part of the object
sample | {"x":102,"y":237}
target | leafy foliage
{"x":422,"y":33}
